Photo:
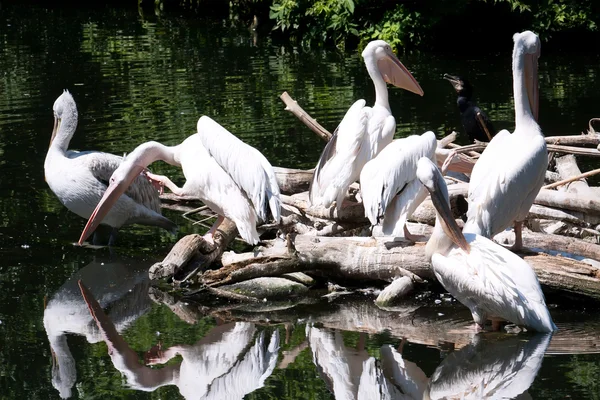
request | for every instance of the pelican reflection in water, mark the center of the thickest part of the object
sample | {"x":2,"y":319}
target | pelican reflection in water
{"x":490,"y":367}
{"x":232,"y":360}
{"x":116,"y":283}
{"x":354,"y":374}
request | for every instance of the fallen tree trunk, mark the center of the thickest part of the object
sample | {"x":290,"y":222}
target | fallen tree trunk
{"x":192,"y":253}
{"x":567,"y":168}
{"x":575,"y":140}
{"x":291,"y":180}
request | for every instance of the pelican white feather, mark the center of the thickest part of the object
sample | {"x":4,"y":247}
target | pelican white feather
{"x":364,"y":131}
{"x":79,"y":179}
{"x":500,"y":192}
{"x":490,"y":280}
{"x":233,"y":179}
{"x":389,"y":184}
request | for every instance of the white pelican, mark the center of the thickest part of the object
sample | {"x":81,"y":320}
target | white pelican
{"x":79,"y":179}
{"x":490,"y":368}
{"x":230,"y":361}
{"x":510,"y":172}
{"x":491,"y":281}
{"x":364,"y":131}
{"x":232,"y":178}
{"x":389,"y":185}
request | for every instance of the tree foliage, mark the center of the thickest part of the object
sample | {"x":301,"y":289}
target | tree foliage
{"x":409,"y":23}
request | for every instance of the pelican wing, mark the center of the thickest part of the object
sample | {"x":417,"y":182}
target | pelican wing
{"x":250,"y":170}
{"x":335,"y":169}
{"x":102,"y":165}
{"x":504,"y":183}
{"x":385,"y":178}
{"x":495,"y":280}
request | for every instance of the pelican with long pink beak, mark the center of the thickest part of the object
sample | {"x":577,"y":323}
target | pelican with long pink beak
{"x":364,"y":131}
{"x":232,"y":178}
{"x":510,"y":172}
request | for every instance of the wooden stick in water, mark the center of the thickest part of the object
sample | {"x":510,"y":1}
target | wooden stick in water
{"x":572,"y":179}
{"x":482,"y":123}
{"x":293,"y":107}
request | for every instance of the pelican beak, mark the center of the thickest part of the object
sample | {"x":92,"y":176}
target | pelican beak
{"x":395,"y":73}
{"x":55,"y":129}
{"x":531,"y":79}
{"x":113,"y":192}
{"x":439,"y":199}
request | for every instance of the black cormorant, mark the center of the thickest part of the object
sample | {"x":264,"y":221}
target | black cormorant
{"x":472,"y":124}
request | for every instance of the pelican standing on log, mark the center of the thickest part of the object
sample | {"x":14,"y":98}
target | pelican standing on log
{"x":232,"y":178}
{"x":510,"y":172}
{"x":493,"y":282}
{"x":389,"y":185}
{"x":364,"y":131}
{"x":79,"y":179}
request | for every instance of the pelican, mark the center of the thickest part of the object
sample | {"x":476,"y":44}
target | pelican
{"x":79,"y":179}
{"x":389,"y":185}
{"x":510,"y":172}
{"x":232,"y":178}
{"x":490,"y":280}
{"x":364,"y":131}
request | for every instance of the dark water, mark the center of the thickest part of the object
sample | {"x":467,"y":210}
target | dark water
{"x":136,"y":78}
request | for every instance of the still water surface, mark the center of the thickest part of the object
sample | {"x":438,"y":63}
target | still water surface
{"x":135,"y":78}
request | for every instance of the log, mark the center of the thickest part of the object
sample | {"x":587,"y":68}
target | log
{"x":432,"y":326}
{"x":551,"y":148}
{"x":291,"y":180}
{"x":192,"y":253}
{"x":563,"y":200}
{"x":574,"y":217}
{"x":575,"y":179}
{"x":570,"y":174}
{"x":445,"y":141}
{"x":575,"y":140}
{"x":293,"y":107}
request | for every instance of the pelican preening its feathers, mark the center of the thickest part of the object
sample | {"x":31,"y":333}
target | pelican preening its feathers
{"x":491,"y":281}
{"x":389,"y":186}
{"x":79,"y":179}
{"x":364,"y":131}
{"x":232,"y":178}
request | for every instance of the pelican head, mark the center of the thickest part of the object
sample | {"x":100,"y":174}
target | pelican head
{"x":119,"y":181}
{"x":380,"y":53}
{"x":63,"y":107}
{"x":526,"y":52}
{"x":431,"y":177}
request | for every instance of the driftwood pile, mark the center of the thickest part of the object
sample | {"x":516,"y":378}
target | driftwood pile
{"x":317,"y":247}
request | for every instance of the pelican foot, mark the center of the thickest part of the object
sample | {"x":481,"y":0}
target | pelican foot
{"x":413,"y":238}
{"x":155,"y":180}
